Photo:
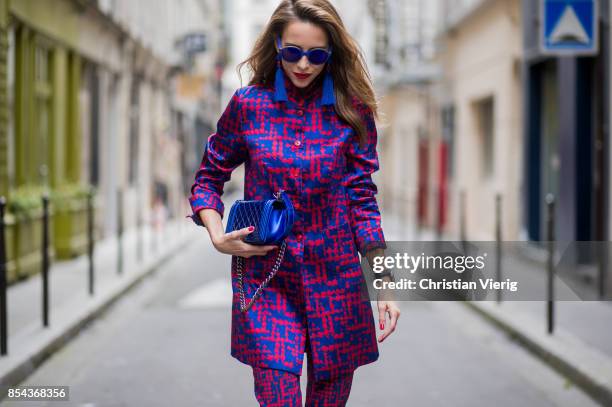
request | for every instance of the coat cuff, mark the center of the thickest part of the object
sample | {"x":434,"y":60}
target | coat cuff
{"x":373,"y":238}
{"x":204,"y":200}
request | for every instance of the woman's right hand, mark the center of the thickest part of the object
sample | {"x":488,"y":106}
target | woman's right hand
{"x":232,"y":243}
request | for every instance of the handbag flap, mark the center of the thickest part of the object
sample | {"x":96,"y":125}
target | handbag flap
{"x":272,"y":219}
{"x":249,"y":213}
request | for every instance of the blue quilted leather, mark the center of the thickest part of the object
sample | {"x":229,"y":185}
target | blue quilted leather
{"x":272,"y":218}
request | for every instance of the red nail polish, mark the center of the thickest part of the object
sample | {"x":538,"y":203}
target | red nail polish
{"x":251,"y":228}
{"x":382,"y":326}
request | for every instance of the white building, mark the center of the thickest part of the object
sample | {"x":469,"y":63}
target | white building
{"x":152,"y":97}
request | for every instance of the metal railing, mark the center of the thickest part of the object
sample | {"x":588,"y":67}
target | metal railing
{"x":46,"y":262}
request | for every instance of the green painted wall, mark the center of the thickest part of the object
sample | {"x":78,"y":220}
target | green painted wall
{"x":4,"y":170}
{"x":46,"y":119}
{"x":47,"y":110}
{"x":74,"y":136}
{"x":58,"y":153}
{"x":57,"y":19}
{"x":52,"y":25}
{"x":23,"y":81}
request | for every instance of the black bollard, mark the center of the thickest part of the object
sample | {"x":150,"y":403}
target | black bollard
{"x":404,"y":211}
{"x":119,"y":231}
{"x":417,"y":219}
{"x":462,"y":216}
{"x":603,"y":264}
{"x":90,"y":241}
{"x":154,"y":231}
{"x":45,"y":260}
{"x":152,"y":237}
{"x":3,"y":302}
{"x":439,"y":214}
{"x":550,"y":227}
{"x":139,"y":248}
{"x":498,"y":239}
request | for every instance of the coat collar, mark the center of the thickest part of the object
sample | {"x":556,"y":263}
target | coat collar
{"x":302,"y":95}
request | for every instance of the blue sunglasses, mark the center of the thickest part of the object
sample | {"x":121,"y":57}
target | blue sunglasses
{"x":291,"y":53}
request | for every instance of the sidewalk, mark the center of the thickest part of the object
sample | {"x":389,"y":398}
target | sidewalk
{"x":70,"y":305}
{"x":580,"y":347}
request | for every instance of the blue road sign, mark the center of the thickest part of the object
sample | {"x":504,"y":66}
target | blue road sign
{"x":569,"y":27}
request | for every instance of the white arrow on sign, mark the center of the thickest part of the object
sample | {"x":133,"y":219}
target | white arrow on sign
{"x":569,"y":29}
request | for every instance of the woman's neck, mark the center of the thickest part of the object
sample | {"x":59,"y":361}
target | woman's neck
{"x":312,"y":87}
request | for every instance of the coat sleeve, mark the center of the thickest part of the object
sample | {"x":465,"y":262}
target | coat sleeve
{"x":362,"y":162}
{"x":224,"y":151}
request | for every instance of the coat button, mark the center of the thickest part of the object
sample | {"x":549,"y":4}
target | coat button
{"x":297,"y":143}
{"x":299,"y":235}
{"x":300,"y":113}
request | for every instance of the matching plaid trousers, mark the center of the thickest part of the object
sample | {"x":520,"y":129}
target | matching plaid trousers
{"x":280,"y":388}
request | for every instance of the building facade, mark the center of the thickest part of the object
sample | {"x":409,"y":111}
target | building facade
{"x":480,"y":108}
{"x":565,"y":131}
{"x":92,"y":85}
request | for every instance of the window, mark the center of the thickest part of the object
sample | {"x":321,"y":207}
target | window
{"x":10,"y":85}
{"x":485,"y":124}
{"x":93,"y":92}
{"x":42,"y":123}
{"x":134,"y":130}
{"x":379,"y":11}
{"x":448,"y":135}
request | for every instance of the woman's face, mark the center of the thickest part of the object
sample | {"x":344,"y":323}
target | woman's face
{"x":306,"y":36}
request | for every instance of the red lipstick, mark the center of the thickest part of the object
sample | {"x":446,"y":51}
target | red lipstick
{"x":302,"y":75}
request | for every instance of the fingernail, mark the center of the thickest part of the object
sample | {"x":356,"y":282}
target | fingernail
{"x":251,"y":228}
{"x":382,"y":325}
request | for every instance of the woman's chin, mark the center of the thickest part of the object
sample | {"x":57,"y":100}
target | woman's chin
{"x":301,"y":83}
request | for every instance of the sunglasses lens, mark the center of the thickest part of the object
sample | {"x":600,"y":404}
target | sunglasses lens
{"x":317,"y":56}
{"x":291,"y":54}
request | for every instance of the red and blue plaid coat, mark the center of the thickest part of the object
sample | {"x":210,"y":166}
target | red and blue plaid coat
{"x":302,"y":147}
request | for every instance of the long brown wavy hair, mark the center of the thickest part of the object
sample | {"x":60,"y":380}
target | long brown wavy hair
{"x":348,"y":68}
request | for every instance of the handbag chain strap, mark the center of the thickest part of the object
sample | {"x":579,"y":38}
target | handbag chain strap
{"x":239,"y":267}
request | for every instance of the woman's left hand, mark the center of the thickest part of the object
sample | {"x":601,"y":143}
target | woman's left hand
{"x":386,"y":306}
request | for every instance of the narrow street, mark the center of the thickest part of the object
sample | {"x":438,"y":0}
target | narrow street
{"x":167,"y":343}
{"x":479,"y":122}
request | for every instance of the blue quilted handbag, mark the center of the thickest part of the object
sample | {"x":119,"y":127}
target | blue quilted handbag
{"x":273,"y":219}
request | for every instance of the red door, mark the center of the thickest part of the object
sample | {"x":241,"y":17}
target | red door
{"x":442,"y":184}
{"x":422,"y":181}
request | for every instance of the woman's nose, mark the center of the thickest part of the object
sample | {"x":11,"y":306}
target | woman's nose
{"x":303,"y":63}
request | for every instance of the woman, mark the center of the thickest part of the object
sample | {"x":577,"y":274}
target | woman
{"x":304,"y":124}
